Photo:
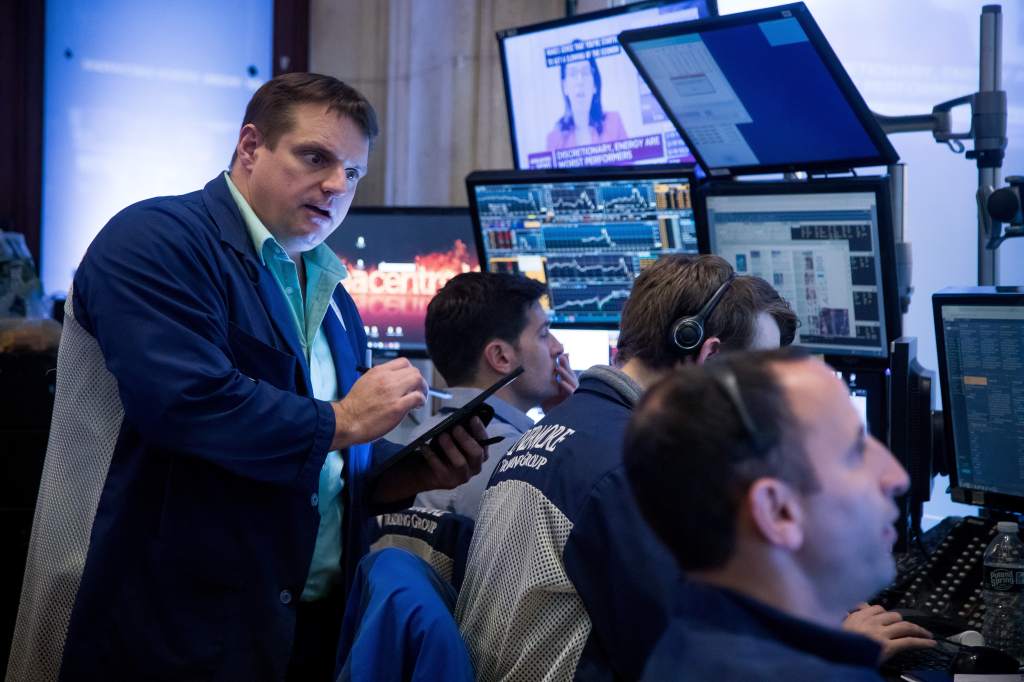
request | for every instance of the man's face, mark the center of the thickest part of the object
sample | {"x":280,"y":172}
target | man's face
{"x":536,"y":349}
{"x":848,"y":520}
{"x":303,"y":187}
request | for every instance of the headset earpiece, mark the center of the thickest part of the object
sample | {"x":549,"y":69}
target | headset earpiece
{"x":687,"y":333}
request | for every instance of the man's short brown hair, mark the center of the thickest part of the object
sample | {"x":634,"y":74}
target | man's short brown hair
{"x":469,"y":312}
{"x":270,"y":108}
{"x":691,"y":459}
{"x":679,"y":285}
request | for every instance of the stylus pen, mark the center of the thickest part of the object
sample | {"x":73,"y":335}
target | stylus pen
{"x":436,"y":392}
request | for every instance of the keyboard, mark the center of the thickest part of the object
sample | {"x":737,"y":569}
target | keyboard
{"x":939,"y":657}
{"x":944,"y":576}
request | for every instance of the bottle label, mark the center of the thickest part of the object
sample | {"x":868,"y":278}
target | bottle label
{"x":1004,"y":578}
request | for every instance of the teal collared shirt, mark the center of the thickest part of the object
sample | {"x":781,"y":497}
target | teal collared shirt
{"x":323,"y":274}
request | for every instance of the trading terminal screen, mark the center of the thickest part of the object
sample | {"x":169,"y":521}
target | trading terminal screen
{"x":712,"y":77}
{"x":397,"y":259}
{"x":821,"y":252}
{"x":983,"y":351}
{"x":586,"y":238}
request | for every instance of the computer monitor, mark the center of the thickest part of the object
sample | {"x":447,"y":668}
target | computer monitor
{"x":911,"y":437}
{"x":759,"y":92}
{"x":980,"y":341}
{"x":397,"y":259}
{"x":825,"y":245}
{"x":586,"y":234}
{"x":587,"y":347}
{"x":575,"y":64}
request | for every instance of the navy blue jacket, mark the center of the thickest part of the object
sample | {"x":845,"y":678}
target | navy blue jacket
{"x":208,"y":516}
{"x":561,"y":551}
{"x":717,"y":634}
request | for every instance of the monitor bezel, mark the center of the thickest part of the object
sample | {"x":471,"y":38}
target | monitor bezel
{"x":575,"y":175}
{"x":879,"y":185}
{"x":976,"y":296}
{"x":887,"y":154}
{"x":501,"y":35}
{"x":417,"y":352}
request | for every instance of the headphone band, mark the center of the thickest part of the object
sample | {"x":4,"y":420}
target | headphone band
{"x":704,"y":313}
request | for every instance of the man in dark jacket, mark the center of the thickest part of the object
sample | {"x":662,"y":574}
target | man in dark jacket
{"x":206,"y":489}
{"x":760,"y":478}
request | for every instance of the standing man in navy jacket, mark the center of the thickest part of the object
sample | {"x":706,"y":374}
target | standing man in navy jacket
{"x":206,"y":492}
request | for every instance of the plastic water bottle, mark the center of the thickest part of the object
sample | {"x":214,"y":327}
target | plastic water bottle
{"x":1003,"y":591}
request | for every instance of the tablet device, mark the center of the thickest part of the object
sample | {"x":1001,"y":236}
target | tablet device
{"x":477,"y":407}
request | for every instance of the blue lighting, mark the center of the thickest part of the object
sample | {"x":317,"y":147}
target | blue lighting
{"x":142,"y":99}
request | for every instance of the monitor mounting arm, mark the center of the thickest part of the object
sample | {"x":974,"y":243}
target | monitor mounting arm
{"x":988,"y":130}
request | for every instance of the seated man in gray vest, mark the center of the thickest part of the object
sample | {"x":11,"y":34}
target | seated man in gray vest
{"x":480,"y":327}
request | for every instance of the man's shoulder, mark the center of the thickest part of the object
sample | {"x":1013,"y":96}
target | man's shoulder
{"x":568,"y":452}
{"x":169,"y":237}
{"x":593,"y":404}
{"x":170,"y":220}
{"x":597,"y":417}
{"x":186,"y":210}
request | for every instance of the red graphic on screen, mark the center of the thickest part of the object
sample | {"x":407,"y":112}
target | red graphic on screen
{"x":392,"y":297}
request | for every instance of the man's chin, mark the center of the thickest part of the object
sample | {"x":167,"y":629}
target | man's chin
{"x":301,"y":243}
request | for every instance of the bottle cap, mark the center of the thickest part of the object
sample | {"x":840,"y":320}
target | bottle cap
{"x":1007,"y":527}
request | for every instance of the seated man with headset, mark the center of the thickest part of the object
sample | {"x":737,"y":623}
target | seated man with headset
{"x":565,"y":579}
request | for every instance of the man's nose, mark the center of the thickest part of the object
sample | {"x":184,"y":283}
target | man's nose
{"x":894,"y":478}
{"x":336,"y":183}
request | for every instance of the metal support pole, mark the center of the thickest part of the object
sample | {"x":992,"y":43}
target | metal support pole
{"x":989,"y":149}
{"x":904,"y":261}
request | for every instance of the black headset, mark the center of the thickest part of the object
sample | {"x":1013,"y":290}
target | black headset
{"x":687,"y":333}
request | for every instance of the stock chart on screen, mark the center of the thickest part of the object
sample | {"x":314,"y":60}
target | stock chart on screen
{"x":586,"y":236}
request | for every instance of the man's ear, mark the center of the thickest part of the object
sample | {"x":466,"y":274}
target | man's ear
{"x":500,"y":357}
{"x":776,"y":513}
{"x":709,"y":348}
{"x":249,"y":140}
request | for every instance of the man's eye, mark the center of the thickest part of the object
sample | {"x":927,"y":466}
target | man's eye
{"x":352,"y":174}
{"x":315,"y":158}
